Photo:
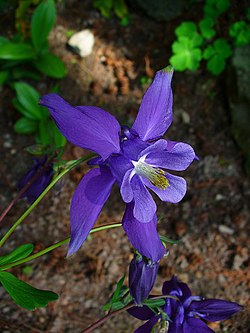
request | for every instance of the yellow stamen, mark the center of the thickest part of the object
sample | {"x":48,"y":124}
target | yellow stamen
{"x":155,"y":175}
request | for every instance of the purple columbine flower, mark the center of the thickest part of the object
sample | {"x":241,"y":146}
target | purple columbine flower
{"x":186,"y":312}
{"x":142,"y":275}
{"x":137,"y":159}
{"x":40,"y":183}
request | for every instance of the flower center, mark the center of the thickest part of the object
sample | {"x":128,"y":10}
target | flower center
{"x":155,"y":175}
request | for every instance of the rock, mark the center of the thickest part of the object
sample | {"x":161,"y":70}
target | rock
{"x":225,"y":230}
{"x":82,"y":42}
{"x":239,"y":100}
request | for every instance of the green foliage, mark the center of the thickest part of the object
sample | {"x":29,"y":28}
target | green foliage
{"x":216,"y":54}
{"x":42,"y":23}
{"x":206,"y":27}
{"x":50,"y":65}
{"x":240,"y":32}
{"x":16,"y":51}
{"x":117,"y":6}
{"x":35,"y":117}
{"x":120,"y":298}
{"x":26,"y":56}
{"x":196,"y":42}
{"x":20,"y":252}
{"x":214,"y":8}
{"x":187,"y":54}
{"x":21,"y":52}
{"x":25,"y":295}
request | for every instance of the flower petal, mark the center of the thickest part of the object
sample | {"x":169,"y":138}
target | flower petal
{"x":155,"y":113}
{"x":126,"y":188}
{"x":145,"y":207}
{"x":143,"y":236}
{"x":141,"y":312}
{"x":88,"y":127}
{"x":148,"y":326}
{"x":195,"y":325}
{"x":214,"y":309}
{"x":180,"y":289}
{"x":87,"y":202}
{"x":174,"y":192}
{"x":169,"y":155}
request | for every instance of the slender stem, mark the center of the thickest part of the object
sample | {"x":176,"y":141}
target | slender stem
{"x":110,"y":314}
{"x":53,"y":182}
{"x":105,"y":318}
{"x":22,"y":191}
{"x":54,"y":246}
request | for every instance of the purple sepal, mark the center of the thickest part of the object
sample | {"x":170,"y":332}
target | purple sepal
{"x":88,"y":127}
{"x":143,"y":236}
{"x":155,"y":113}
{"x":87,"y":202}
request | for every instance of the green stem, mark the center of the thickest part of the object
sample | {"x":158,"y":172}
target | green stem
{"x":54,"y":246}
{"x":29,"y":210}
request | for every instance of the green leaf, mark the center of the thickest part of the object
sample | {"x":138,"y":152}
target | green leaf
{"x":120,"y":8}
{"x":28,"y":98}
{"x":214,"y":8}
{"x":118,"y":289}
{"x":222,"y":47}
{"x":19,"y":73}
{"x":168,"y":240}
{"x":25,"y":295}
{"x":20,"y":252}
{"x":104,"y":7}
{"x":3,"y":77}
{"x":3,"y":40}
{"x":206,"y":27}
{"x":44,"y":135}
{"x":186,"y":56}
{"x":216,"y":55}
{"x":186,"y":29}
{"x":57,"y":138}
{"x":153,"y":303}
{"x":240,"y":31}
{"x":51,"y":65}
{"x":208,"y":52}
{"x":216,"y":64}
{"x":25,"y":126}
{"x":42,"y":23}
{"x":16,"y":51}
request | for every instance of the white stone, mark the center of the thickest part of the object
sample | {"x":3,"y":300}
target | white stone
{"x":82,"y":42}
{"x":225,"y":229}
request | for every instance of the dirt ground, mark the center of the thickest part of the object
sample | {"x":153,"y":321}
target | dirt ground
{"x":212,"y":221}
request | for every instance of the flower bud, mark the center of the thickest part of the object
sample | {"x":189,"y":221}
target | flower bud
{"x":142,"y":275}
{"x":40,"y":183}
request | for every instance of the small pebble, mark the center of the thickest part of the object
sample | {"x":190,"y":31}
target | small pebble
{"x":82,"y":42}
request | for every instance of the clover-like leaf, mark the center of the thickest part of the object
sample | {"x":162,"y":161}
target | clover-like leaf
{"x":25,"y":295}
{"x":240,"y":31}
{"x":186,"y":29}
{"x":206,"y":27}
{"x":216,"y":55}
{"x":214,"y":8}
{"x":186,"y":54}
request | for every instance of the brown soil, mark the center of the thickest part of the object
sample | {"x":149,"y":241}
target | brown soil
{"x":212,"y":220}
